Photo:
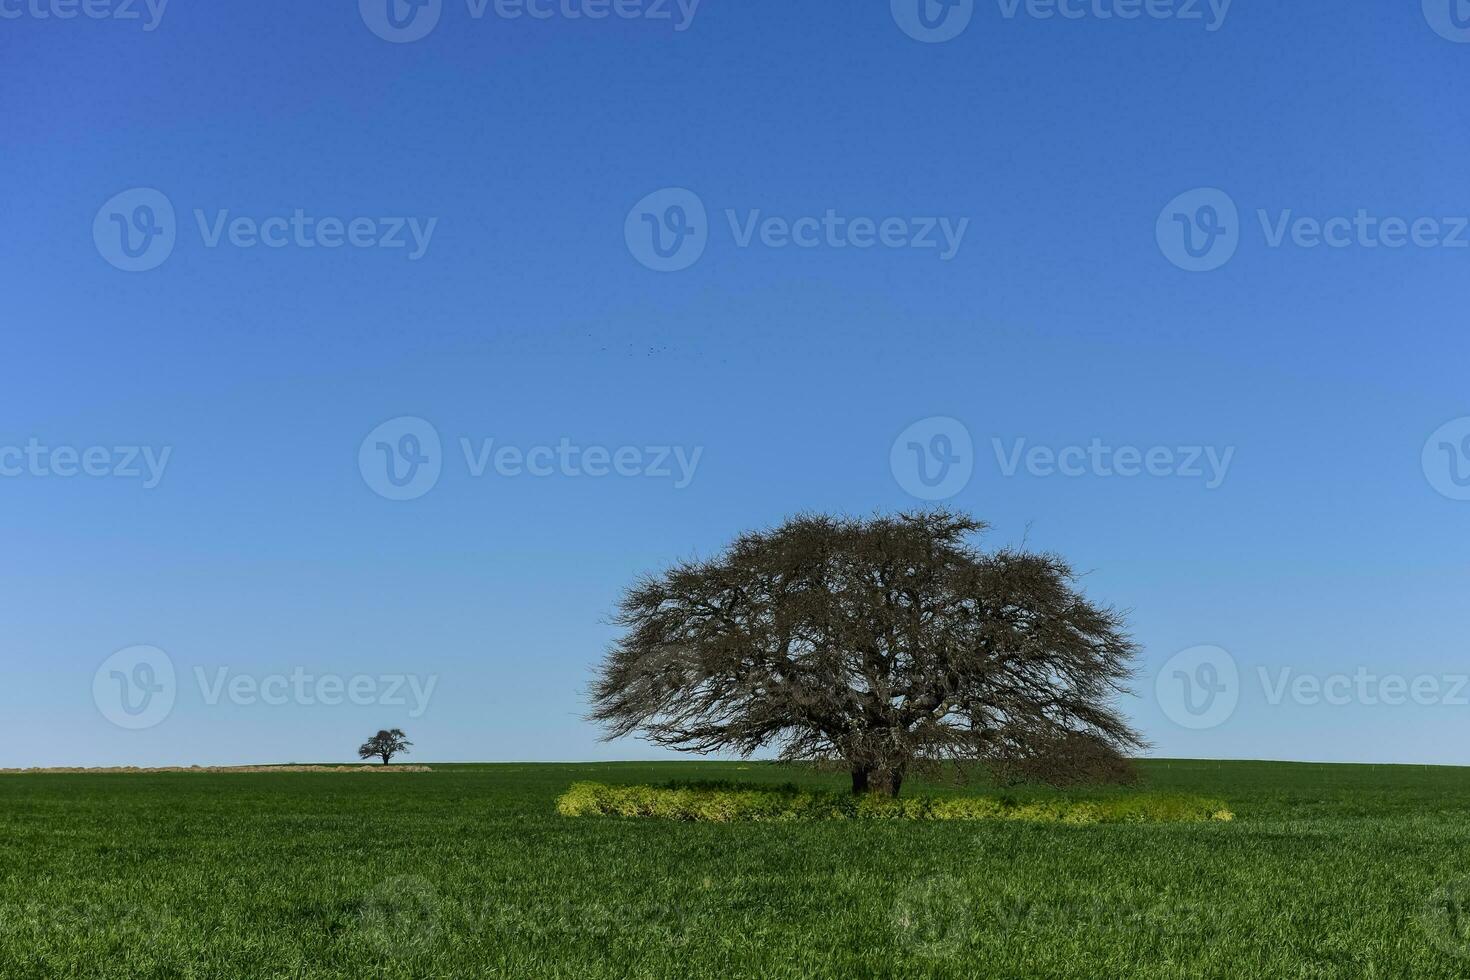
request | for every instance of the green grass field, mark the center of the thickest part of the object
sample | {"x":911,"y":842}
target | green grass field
{"x":1327,"y":871}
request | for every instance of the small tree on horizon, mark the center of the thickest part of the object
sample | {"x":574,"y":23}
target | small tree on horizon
{"x":385,"y":745}
{"x":883,"y":645}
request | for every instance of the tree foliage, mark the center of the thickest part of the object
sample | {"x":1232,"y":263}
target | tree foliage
{"x":883,"y":644}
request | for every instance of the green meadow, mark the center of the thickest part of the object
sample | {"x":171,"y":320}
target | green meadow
{"x":469,"y":871}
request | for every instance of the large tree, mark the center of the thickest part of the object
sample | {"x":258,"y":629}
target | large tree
{"x":385,"y":745}
{"x":882,"y":644}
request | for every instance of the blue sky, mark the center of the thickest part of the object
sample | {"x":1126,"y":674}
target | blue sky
{"x":529,"y":153}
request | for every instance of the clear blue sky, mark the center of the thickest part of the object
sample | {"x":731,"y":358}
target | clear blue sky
{"x":1328,"y":547}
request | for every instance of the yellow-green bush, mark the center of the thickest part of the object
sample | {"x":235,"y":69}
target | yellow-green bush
{"x":723,"y":803}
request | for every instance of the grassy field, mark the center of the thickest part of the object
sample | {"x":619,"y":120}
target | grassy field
{"x":1327,"y":871}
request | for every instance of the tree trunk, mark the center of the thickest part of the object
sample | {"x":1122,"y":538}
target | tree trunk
{"x":888,"y":781}
{"x":386,"y":757}
{"x":859,"y":781}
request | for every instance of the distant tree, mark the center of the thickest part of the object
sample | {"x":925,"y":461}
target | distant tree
{"x":385,"y":745}
{"x":884,"y":645}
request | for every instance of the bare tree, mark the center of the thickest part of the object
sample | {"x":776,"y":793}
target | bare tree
{"x":883,"y":644}
{"x":385,"y":745}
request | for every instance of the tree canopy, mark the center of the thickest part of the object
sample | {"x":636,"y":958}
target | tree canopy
{"x":883,"y":644}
